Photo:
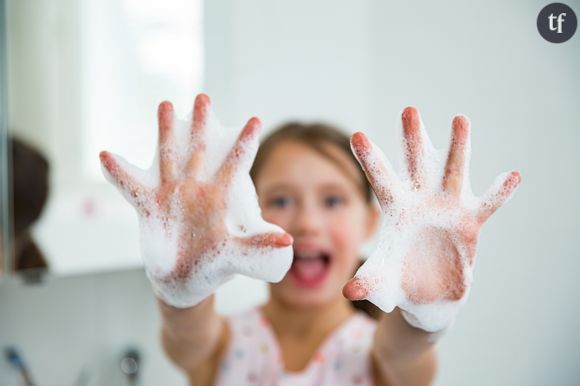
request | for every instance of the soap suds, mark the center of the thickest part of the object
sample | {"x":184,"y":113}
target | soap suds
{"x":199,"y":217}
{"x":424,"y":259}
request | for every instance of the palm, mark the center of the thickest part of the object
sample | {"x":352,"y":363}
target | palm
{"x":187,"y":246}
{"x":433,"y":264}
{"x":427,"y":247}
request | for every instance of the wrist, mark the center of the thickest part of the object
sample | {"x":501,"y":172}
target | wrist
{"x":414,"y":322}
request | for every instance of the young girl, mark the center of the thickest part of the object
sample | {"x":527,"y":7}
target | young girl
{"x":309,"y":184}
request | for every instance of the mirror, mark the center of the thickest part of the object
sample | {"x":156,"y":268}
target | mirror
{"x":83,"y":77}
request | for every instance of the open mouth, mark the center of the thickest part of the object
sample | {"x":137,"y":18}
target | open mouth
{"x":310,"y":268}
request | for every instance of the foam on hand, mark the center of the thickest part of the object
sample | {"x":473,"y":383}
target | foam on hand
{"x":423,"y":262}
{"x":198,"y":211}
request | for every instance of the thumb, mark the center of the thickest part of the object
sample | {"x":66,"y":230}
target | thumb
{"x":354,"y":290}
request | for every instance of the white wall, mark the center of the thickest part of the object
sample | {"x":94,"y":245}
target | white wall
{"x":81,"y":325}
{"x":286,"y":60}
{"x":358,"y":64}
{"x":486,"y":59}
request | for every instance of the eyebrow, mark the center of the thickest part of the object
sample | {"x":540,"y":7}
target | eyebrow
{"x":285,"y":186}
{"x":278,"y":186}
{"x":333,"y":186}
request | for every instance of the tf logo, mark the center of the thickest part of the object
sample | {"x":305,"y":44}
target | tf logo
{"x":557,"y":22}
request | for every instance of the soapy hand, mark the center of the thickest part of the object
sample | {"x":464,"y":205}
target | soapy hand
{"x":424,"y":259}
{"x":196,"y":233}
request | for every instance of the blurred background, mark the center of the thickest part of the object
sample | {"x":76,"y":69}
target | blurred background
{"x":82,"y":76}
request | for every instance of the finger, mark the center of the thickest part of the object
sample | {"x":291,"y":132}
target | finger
{"x":376,"y":167}
{"x":262,"y":240}
{"x":458,"y":157}
{"x":501,"y":191}
{"x":416,"y":146}
{"x":354,"y":290}
{"x":167,"y":156}
{"x":242,"y":153}
{"x":201,"y":110}
{"x":115,"y":170}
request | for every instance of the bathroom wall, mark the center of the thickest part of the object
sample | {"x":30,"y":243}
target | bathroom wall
{"x":361,"y":63}
{"x":74,"y":330}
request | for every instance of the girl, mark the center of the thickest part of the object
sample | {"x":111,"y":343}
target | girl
{"x":309,"y":183}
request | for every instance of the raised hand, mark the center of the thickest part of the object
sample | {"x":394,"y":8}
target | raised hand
{"x":424,"y":259}
{"x":196,"y":231}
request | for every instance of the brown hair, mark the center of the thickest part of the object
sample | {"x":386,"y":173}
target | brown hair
{"x":318,"y":136}
{"x":30,"y":178}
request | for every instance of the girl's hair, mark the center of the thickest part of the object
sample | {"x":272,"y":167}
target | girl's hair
{"x":318,"y":136}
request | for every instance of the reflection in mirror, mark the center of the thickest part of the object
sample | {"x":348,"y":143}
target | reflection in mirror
{"x":88,"y":75}
{"x":28,"y":192}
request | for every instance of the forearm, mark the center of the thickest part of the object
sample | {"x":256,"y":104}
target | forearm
{"x":404,"y":354}
{"x":190,"y":335}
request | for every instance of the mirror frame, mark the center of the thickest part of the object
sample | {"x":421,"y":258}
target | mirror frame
{"x":4,"y":150}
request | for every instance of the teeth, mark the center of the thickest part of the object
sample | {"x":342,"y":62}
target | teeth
{"x":307,"y":255}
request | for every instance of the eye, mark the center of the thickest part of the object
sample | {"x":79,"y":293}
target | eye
{"x":333,"y":201}
{"x":279,"y":202}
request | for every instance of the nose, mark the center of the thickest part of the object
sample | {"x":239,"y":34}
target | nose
{"x":308,"y":221}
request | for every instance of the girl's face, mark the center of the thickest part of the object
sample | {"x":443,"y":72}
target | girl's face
{"x":322,"y":206}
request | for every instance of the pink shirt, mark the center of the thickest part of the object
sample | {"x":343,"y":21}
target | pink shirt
{"x":253,"y":357}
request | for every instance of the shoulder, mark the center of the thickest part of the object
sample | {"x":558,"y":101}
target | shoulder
{"x":361,"y":329}
{"x":348,"y":352}
{"x":245,"y":323}
{"x":238,"y":331}
{"x":251,"y":356}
